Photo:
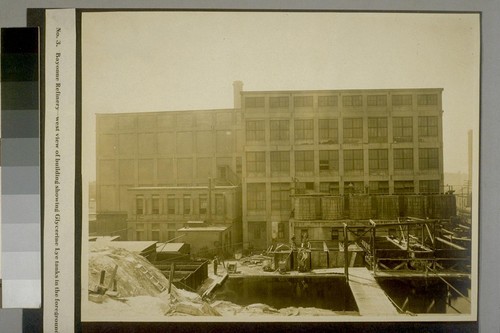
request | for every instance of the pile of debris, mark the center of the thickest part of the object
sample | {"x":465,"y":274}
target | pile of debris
{"x":133,"y":287}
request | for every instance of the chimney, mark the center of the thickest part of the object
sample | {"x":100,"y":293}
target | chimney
{"x":237,"y":88}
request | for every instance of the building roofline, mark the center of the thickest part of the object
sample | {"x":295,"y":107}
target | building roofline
{"x":337,"y":90}
{"x":163,"y":111}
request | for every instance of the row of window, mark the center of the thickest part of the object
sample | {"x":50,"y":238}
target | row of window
{"x":328,"y":129}
{"x":280,"y":192}
{"x":174,"y":205}
{"x":378,"y":159}
{"x":347,"y":101}
{"x":140,"y":231}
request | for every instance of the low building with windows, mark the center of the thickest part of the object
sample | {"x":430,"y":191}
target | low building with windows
{"x":162,"y":213}
{"x":273,"y":145}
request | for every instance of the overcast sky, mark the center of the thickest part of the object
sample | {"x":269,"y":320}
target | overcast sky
{"x":159,"y":61}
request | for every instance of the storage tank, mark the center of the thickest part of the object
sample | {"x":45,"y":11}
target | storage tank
{"x":441,"y":206}
{"x":307,"y":208}
{"x":413,"y":205}
{"x":360,"y":207}
{"x":332,"y":208}
{"x":387,"y":207}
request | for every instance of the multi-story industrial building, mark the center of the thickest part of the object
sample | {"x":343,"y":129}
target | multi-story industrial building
{"x":275,"y":144}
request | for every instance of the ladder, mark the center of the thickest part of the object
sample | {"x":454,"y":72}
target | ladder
{"x":151,"y":278}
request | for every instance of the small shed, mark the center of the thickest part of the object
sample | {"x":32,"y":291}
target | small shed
{"x":208,"y":241}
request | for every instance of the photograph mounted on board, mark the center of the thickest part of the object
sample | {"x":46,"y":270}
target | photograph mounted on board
{"x":289,"y":166}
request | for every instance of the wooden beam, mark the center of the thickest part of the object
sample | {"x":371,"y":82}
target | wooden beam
{"x":444,"y":241}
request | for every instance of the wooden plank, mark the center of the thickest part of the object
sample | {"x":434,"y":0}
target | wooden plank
{"x":458,"y":247}
{"x":369,"y":296}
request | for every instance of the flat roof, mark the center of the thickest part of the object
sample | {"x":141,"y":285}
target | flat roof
{"x":169,"y":247}
{"x":347,"y":91}
{"x":156,"y":188}
{"x":132,"y":246}
{"x":211,"y":228}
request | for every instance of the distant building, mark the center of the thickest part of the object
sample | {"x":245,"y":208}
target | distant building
{"x":271,"y":146}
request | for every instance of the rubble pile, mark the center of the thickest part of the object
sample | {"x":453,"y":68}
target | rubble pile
{"x":135,"y":275}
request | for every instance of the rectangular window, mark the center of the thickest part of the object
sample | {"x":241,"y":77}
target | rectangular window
{"x":353,"y":160}
{"x":302,"y":101}
{"x":280,"y":197}
{"x":171,"y":204}
{"x":257,"y":232}
{"x":256,"y":197}
{"x":429,"y":186}
{"x":203,"y":200}
{"x":378,"y":159}
{"x":327,"y":101}
{"x":303,"y":187}
{"x":170,"y":235}
{"x":381,"y":187}
{"x":256,"y":162}
{"x":304,"y":129}
{"x":404,"y":186}
{"x":238,"y":165}
{"x":428,"y":158}
{"x":334,"y":234}
{"x":281,"y":230}
{"x":376,"y":100}
{"x":278,"y":102}
{"x":427,"y":126}
{"x":139,"y":231}
{"x":427,"y":99}
{"x":353,"y":128}
{"x":139,"y":204}
{"x":377,"y":129}
{"x":328,"y":160}
{"x":155,"y":206}
{"x":329,"y":187}
{"x":280,"y":130}
{"x":328,"y":130}
{"x":304,"y":161}
{"x":280,"y":162}
{"x":352,"y":101}
{"x":403,"y":159}
{"x":186,"y":204}
{"x":255,"y":130}
{"x":254,"y":102}
{"x":402,"y":129}
{"x":402,"y":100}
{"x":220,"y":205}
{"x":155,"y":232}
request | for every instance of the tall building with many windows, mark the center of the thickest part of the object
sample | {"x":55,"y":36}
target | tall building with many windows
{"x":276,"y":144}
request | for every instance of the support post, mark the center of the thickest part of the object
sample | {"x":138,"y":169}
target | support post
{"x":346,"y":254}
{"x":374,"y":256}
{"x":171,"y":277}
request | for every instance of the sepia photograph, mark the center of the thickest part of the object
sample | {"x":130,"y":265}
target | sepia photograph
{"x":279,"y":166}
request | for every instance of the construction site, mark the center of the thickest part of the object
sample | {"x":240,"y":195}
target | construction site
{"x":405,"y":266}
{"x":292,"y":203}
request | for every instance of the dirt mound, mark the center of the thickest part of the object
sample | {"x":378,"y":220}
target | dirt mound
{"x":135,"y":275}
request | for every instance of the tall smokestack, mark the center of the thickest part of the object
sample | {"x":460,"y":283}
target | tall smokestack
{"x":237,"y":89}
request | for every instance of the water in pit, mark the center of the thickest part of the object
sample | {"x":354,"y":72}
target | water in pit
{"x":431,"y":296}
{"x":282,"y":292}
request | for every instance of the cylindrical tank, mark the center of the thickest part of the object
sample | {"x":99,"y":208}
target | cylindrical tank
{"x":307,"y":208}
{"x":387,"y":207}
{"x":441,"y":206}
{"x":360,"y":207}
{"x":413,"y":205}
{"x":332,"y":208}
